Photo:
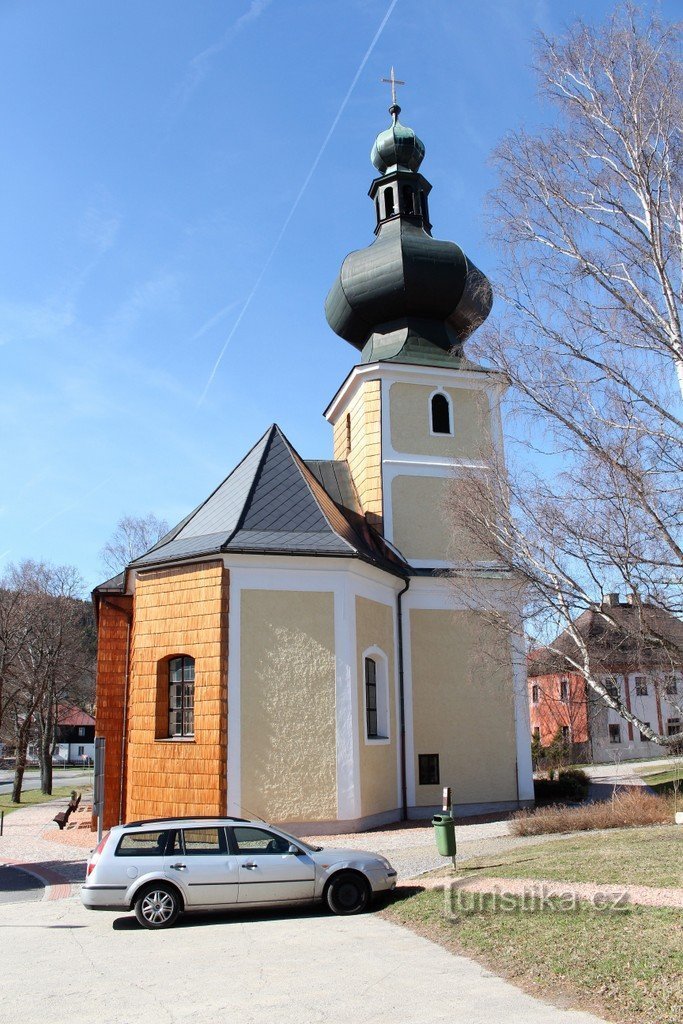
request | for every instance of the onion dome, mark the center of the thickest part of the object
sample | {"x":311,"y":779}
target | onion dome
{"x":398,"y":147}
{"x":407,"y":297}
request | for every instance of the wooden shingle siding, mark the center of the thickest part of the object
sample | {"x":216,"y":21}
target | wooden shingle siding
{"x":365,"y":457}
{"x":114,"y":615}
{"x":183,"y":610}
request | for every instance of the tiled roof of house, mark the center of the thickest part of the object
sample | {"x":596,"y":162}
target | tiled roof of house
{"x":274,"y":502}
{"x":633,"y":634}
{"x":67,"y":714}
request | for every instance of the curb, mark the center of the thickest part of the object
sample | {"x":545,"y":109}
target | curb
{"x":57,"y":887}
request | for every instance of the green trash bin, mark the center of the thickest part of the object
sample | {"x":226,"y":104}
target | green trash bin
{"x":444,"y":831}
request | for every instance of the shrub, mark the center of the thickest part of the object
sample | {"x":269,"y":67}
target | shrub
{"x":571,"y":784}
{"x":630,"y":807}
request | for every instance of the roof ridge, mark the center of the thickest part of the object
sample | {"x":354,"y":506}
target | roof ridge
{"x":306,"y":476}
{"x":173,"y":533}
{"x":273,"y":429}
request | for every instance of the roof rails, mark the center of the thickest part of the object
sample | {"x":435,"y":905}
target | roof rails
{"x":187,"y":817}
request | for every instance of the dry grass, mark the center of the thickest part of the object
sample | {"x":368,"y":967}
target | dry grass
{"x":628,"y":808}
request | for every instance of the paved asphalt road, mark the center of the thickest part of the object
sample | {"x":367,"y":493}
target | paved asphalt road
{"x":18,"y":886}
{"x":60,"y":777}
{"x":301,"y":967}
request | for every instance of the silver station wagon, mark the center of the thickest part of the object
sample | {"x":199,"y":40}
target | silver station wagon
{"x":161,"y":868}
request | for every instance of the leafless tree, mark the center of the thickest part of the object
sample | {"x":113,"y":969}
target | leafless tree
{"x":133,"y":536}
{"x":49,"y":619}
{"x":588,"y":216}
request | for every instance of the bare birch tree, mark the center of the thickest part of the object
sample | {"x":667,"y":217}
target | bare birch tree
{"x":588,"y":216}
{"x":133,"y":536}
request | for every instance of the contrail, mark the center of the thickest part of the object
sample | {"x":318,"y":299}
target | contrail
{"x":216,"y":318}
{"x":299,"y":197}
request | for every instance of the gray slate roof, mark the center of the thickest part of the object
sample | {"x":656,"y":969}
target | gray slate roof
{"x":274,"y":502}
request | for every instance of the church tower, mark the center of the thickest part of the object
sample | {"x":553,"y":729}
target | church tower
{"x":414,"y":411}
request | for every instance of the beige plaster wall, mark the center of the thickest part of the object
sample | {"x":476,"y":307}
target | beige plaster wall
{"x":365,"y":456}
{"x":375,"y":628}
{"x":423,"y":528}
{"x":409,"y":412}
{"x":463,"y":706}
{"x":287,"y":697}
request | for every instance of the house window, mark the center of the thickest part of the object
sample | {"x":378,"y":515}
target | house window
{"x":673,"y":725}
{"x":535,"y":693}
{"x":181,"y":696}
{"x":81,"y":751}
{"x":376,"y":696}
{"x":81,"y":730}
{"x":641,"y":686}
{"x":615,"y":734}
{"x":565,"y":734}
{"x":612,"y":688}
{"x":440,"y":412}
{"x":348,"y":432}
{"x":428,"y":765}
{"x":643,"y":737}
{"x":564,"y":689}
{"x":670,"y":686}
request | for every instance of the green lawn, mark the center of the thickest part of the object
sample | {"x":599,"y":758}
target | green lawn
{"x":30,"y":797}
{"x":635,"y":856}
{"x":625,"y":965}
{"x":664,"y":780}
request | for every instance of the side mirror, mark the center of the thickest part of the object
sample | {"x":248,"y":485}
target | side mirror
{"x":293,"y":849}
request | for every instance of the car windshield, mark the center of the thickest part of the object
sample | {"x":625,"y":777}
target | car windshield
{"x":301,"y":843}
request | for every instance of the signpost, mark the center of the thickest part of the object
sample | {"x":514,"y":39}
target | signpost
{"x":98,"y":784}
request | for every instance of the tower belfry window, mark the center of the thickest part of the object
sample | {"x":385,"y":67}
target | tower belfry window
{"x":408,"y":203}
{"x":388,"y":202}
{"x":441,"y":418}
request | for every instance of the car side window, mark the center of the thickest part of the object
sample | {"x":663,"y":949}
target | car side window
{"x":258,"y":841}
{"x":142,"y":844}
{"x":204,"y":841}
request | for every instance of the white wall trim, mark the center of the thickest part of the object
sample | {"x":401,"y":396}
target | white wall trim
{"x":382,"y":662}
{"x":234,"y":758}
{"x":479,"y":379}
{"x":451,"y":418}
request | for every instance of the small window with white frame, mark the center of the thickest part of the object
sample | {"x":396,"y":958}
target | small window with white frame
{"x":376,"y":695}
{"x":440,"y":414}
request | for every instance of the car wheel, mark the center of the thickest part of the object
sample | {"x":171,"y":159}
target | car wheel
{"x":157,"y":907}
{"x":348,"y":893}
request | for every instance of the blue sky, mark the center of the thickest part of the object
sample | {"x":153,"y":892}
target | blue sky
{"x":153,"y":151}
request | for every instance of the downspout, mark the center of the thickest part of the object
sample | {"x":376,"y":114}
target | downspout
{"x":125,"y":722}
{"x":401,"y":702}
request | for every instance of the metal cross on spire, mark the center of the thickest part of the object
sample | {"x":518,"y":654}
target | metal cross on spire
{"x":393,"y":82}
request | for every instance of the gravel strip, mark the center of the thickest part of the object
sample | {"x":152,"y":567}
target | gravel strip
{"x":538,"y":888}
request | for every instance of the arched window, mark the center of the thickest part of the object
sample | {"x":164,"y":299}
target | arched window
{"x":376,"y":684}
{"x":181,"y":696}
{"x":423,"y":204}
{"x":441,"y":418}
{"x":408,"y":194}
{"x":388,"y":202}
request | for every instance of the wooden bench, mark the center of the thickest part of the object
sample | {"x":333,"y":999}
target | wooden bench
{"x":63,"y":816}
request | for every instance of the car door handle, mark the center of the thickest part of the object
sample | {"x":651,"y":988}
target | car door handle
{"x":179,"y":867}
{"x":250,"y":864}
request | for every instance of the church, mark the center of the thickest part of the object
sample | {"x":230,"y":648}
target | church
{"x":294,"y":648}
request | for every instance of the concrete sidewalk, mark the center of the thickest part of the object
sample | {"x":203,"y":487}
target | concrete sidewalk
{"x":306,"y":967}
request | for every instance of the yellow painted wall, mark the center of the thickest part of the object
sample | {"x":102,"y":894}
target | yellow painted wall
{"x":365,"y":456}
{"x":409,"y":407}
{"x":287,"y":697}
{"x":375,"y":628}
{"x":463,"y":706}
{"x":178,"y":611}
{"x":423,"y":528}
